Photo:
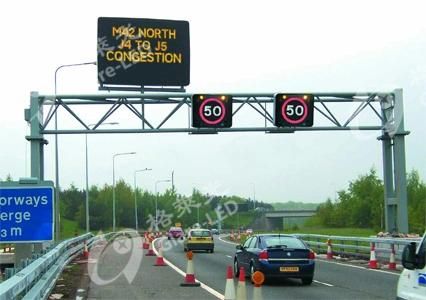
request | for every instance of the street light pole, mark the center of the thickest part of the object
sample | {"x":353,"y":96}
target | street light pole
{"x":57,"y":211}
{"x":254,"y":195}
{"x":136,"y":205}
{"x":113,"y":185}
{"x":156,"y":200}
{"x":87,"y":177}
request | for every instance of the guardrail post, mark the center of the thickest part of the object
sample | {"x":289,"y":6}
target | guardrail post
{"x":318,"y":245}
{"x":356,"y":249}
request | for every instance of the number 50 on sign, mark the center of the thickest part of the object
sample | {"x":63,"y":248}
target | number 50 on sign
{"x":291,"y":110}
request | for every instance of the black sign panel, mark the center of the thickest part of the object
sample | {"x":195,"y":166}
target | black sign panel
{"x":293,"y":110}
{"x":211,"y":111}
{"x":143,"y":52}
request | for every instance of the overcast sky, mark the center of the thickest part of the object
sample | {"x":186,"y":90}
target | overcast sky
{"x":236,"y":46}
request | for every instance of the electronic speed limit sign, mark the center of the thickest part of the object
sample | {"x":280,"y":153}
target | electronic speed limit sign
{"x":211,"y":111}
{"x":293,"y":110}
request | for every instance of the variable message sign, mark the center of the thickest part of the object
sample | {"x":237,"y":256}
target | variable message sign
{"x":26,"y":213}
{"x":294,"y":110}
{"x":143,"y":52}
{"x":211,"y":111}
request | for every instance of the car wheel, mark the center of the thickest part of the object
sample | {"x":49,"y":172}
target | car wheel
{"x":236,"y":268}
{"x":307,"y":281}
{"x":168,"y":238}
{"x":212,"y":250}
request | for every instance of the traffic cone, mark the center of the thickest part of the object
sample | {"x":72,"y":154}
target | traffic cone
{"x":229,"y":287}
{"x":190,"y":274}
{"x":241,"y":287}
{"x":258,"y":278}
{"x":239,"y":236}
{"x":150,"y":251}
{"x":160,"y":261}
{"x":372,"y":264}
{"x":145,"y":241}
{"x":329,"y":250}
{"x":232,"y":235}
{"x":392,"y":263}
{"x":85,"y":251}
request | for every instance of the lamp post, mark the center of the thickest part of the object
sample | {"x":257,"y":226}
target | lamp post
{"x":87,"y":176}
{"x":113,"y":185}
{"x":136,"y":205}
{"x":156,"y":200}
{"x":254,"y":195}
{"x":57,"y":211}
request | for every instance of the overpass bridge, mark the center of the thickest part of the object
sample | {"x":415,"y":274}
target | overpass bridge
{"x":281,"y":219}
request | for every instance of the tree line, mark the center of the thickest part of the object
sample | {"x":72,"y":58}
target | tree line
{"x":172,"y":207}
{"x":362,"y":205}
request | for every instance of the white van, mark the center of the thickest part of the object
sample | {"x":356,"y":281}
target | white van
{"x":412,"y":282}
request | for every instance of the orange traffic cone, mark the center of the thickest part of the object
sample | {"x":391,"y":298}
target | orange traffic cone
{"x":160,"y":261}
{"x":241,"y":287}
{"x":372,"y":264}
{"x":232,"y":235}
{"x":190,"y":274}
{"x":145,"y":241}
{"x":85,"y":251}
{"x":392,"y":263}
{"x":239,"y":236}
{"x":329,"y":250}
{"x":258,"y":278}
{"x":150,"y":251}
{"x":229,"y":287}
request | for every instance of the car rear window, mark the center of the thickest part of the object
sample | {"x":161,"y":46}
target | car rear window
{"x":284,"y":241}
{"x":175,"y":229}
{"x":200,"y":233}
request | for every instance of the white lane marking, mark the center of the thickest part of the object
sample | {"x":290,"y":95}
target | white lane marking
{"x":358,"y":267}
{"x":229,"y":256}
{"x":203,"y":285}
{"x":324,"y":283}
{"x":232,"y":243}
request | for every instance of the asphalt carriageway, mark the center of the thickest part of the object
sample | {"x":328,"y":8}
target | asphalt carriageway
{"x":332,"y":279}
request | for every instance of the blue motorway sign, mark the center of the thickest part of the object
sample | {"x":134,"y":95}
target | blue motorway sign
{"x":26,"y":213}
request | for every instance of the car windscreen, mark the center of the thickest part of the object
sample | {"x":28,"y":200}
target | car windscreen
{"x":282,"y":241}
{"x":200,"y":233}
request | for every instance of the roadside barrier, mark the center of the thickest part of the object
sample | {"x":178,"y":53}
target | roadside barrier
{"x":392,"y":263}
{"x":190,"y":274}
{"x":229,"y":287}
{"x":241,"y":287}
{"x":372,"y":264}
{"x":329,"y":250}
{"x":258,"y":278}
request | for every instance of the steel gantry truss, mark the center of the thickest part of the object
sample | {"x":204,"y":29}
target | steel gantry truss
{"x":387,"y":107}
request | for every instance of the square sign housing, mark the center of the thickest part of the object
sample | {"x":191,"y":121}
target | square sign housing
{"x":294,"y":110}
{"x":211,"y":111}
{"x":143,"y":52}
{"x":26,"y":212}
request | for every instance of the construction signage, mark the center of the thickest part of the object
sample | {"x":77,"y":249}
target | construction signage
{"x":143,"y":52}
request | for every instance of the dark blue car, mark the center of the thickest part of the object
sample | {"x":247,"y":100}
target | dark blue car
{"x":276,"y":256}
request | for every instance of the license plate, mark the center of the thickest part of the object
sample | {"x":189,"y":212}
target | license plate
{"x":289,"y":269}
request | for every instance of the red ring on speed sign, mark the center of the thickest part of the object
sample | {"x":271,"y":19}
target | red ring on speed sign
{"x":204,"y":119}
{"x":302,"y":118}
